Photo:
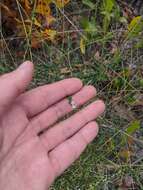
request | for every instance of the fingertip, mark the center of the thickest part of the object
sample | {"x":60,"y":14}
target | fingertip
{"x":94,"y":127}
{"x":77,"y":81}
{"x":27,"y":65}
{"x":25,"y":71}
{"x":15,"y":83}
{"x":30,"y":64}
{"x":102,"y":104}
{"x":91,"y":89}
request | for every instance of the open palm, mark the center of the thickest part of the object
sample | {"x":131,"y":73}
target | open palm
{"x":34,"y":148}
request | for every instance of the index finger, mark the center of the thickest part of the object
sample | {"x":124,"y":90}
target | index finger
{"x":39,"y":99}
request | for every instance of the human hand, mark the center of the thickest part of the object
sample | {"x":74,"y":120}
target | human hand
{"x":32,"y":153}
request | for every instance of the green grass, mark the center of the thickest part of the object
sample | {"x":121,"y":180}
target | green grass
{"x":117,"y":75}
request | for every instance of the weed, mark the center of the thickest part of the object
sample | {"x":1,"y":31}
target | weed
{"x":101,"y":43}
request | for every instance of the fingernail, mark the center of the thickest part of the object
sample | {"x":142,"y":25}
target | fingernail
{"x":24,"y":65}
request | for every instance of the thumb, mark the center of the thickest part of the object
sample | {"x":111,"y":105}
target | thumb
{"x":14,"y":83}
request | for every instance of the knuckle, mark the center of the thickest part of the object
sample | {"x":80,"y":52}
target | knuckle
{"x":66,"y":131}
{"x":73,"y":148}
{"x":55,"y":163}
{"x":18,"y":88}
{"x":58,"y":111}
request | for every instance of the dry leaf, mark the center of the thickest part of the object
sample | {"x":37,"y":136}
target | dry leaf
{"x":61,"y":3}
{"x":125,"y":154}
{"x":49,"y":34}
{"x":128,"y":181}
{"x":27,"y":6}
{"x":82,"y":46}
{"x":35,"y":43}
{"x":40,"y":27}
{"x":97,"y":55}
{"x":43,"y":9}
{"x":124,"y":113}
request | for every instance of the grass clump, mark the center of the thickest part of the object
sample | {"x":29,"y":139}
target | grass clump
{"x":101,"y":43}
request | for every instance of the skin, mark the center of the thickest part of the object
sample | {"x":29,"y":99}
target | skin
{"x":32,"y":153}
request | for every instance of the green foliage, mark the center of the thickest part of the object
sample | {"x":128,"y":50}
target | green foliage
{"x":107,"y":12}
{"x":98,"y":27}
{"x":108,"y":5}
{"x":91,"y":28}
{"x":135,"y":27}
{"x":89,"y":3}
{"x":104,"y":63}
{"x":133,"y":127}
{"x":141,"y":82}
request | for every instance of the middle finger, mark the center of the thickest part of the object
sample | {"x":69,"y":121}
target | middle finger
{"x":70,"y":126}
{"x":59,"y":110}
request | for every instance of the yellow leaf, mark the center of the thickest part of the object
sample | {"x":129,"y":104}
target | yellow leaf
{"x":50,"y":19}
{"x":82,"y":46}
{"x":125,"y":154}
{"x":37,"y":23}
{"x":43,"y":8}
{"x":27,"y":5}
{"x":61,"y":3}
{"x":134,"y":22}
{"x":49,"y":34}
{"x":135,"y":27}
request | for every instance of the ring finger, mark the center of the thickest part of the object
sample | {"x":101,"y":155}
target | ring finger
{"x":59,"y":110}
{"x":70,"y":126}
